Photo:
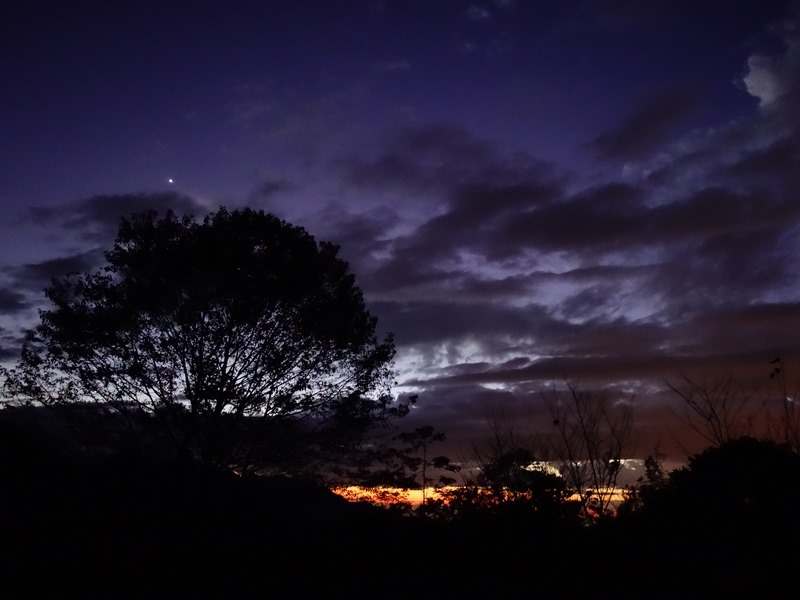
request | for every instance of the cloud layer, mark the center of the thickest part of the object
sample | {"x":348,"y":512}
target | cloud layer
{"x":523,"y":199}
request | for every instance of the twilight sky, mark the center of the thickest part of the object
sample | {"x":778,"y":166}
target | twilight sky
{"x":527,"y":190}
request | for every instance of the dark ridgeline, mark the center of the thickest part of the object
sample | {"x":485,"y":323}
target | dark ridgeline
{"x":190,"y":473}
{"x":126,"y":527}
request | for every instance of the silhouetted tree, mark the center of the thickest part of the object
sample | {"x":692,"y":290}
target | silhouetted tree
{"x":722,"y":408}
{"x":744,"y":485}
{"x":592,"y":437}
{"x":238,"y":341}
{"x":784,"y":422}
{"x":719,"y":409}
{"x":507,"y":478}
{"x":515,"y":485}
{"x":653,"y":481}
{"x":516,"y":474}
{"x":417,"y":459}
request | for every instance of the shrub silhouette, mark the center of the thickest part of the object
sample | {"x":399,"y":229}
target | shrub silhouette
{"x":741,"y":483}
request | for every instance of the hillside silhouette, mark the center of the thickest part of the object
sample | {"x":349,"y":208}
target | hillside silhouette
{"x":119,"y":526}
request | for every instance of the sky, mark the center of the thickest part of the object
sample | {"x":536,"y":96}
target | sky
{"x":529,"y":192}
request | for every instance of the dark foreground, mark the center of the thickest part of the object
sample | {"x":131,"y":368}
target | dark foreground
{"x":126,"y":529}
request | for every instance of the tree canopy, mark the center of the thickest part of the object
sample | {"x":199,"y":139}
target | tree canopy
{"x":744,"y":481}
{"x":237,"y":340}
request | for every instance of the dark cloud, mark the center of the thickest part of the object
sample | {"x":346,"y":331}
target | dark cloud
{"x":607,"y":216}
{"x":8,"y":352}
{"x":715,"y":211}
{"x":468,"y":409}
{"x":474,"y":219}
{"x":647,"y":129}
{"x":764,"y":329}
{"x":12,"y":301}
{"x":779,"y":159}
{"x":362,"y":238}
{"x":605,"y":370}
{"x":521,"y":278}
{"x":439,"y":157}
{"x":601,"y":273}
{"x":761,"y":148}
{"x":272,"y":187}
{"x":612,"y":217}
{"x":476,"y":188}
{"x":35,"y":276}
{"x":387,"y":170}
{"x":513,"y":275}
{"x":403,"y":277}
{"x":97,"y":218}
{"x":10,"y":345}
{"x":465,"y":413}
{"x":704,"y":156}
{"x":425,"y":322}
{"x":472,"y":288}
{"x":586,"y":304}
{"x":724,"y":270}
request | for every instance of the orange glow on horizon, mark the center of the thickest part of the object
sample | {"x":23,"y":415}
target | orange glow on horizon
{"x":386,"y":496}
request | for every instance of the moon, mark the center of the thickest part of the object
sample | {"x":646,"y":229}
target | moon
{"x":170,"y":180}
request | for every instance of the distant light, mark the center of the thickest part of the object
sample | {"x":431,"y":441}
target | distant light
{"x":170,"y":181}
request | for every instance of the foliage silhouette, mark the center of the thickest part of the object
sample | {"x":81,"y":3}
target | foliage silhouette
{"x":637,"y":495}
{"x":150,"y":526}
{"x":536,"y":497}
{"x":509,"y":481}
{"x":417,"y":459}
{"x":236,"y":341}
{"x":592,"y":435}
{"x":97,"y":524}
{"x":742,"y":483}
{"x":729,"y":515}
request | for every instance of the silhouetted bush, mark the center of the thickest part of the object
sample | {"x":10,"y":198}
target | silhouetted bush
{"x":744,"y":482}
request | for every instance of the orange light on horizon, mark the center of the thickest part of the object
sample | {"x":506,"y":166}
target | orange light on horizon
{"x":387,"y":496}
